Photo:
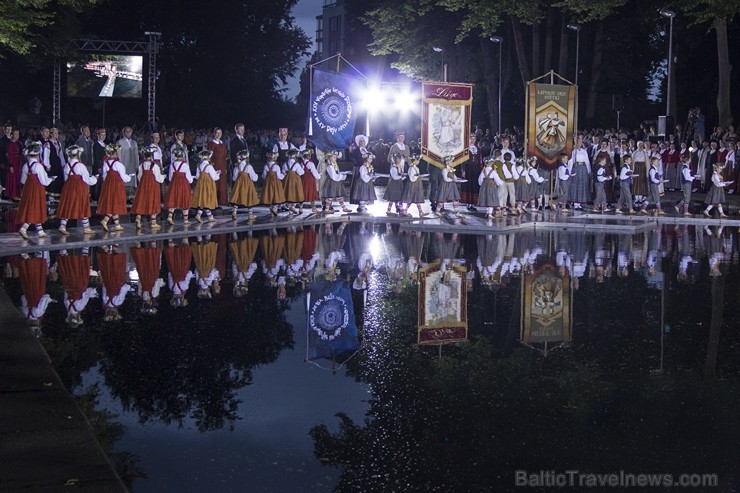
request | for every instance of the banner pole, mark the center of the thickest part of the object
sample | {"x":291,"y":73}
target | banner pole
{"x":310,"y":98}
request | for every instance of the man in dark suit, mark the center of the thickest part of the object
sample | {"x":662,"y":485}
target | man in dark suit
{"x":4,"y":139}
{"x":98,"y":154}
{"x":238,"y":143}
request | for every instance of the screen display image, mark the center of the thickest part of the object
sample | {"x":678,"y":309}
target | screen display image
{"x":105,"y":76}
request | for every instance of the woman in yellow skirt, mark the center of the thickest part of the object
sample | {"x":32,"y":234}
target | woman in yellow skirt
{"x":293,"y":184}
{"x":204,"y":195}
{"x":272,"y":191}
{"x":243,"y":193}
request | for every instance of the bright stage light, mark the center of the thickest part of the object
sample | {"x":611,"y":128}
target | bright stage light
{"x":374,"y":99}
{"x":407,"y":101}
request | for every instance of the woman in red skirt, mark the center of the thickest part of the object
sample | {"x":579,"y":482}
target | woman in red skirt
{"x":310,"y":179}
{"x":74,"y":272}
{"x":74,"y":202}
{"x":243,"y":193}
{"x":112,"y":200}
{"x":35,"y":300}
{"x":148,"y":199}
{"x":178,"y":259}
{"x":32,"y":208}
{"x":179,"y":195}
{"x":113,"y":273}
{"x":148,"y":262}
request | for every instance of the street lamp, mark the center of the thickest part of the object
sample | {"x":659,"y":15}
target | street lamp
{"x":670,"y":14}
{"x":500,"y":41}
{"x":444,"y":65}
{"x":577,"y":28}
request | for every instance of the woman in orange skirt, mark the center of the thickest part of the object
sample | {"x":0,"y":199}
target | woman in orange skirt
{"x":148,"y":199}
{"x":243,"y":193}
{"x":204,"y":196}
{"x":179,"y":195}
{"x":310,"y":178}
{"x":112,"y":200}
{"x":206,"y":273}
{"x":292,"y":184}
{"x":32,"y":207}
{"x":34,"y":302}
{"x":178,"y":259}
{"x":148,"y":262}
{"x":74,"y":202}
{"x":74,"y":272}
{"x":243,"y":265}
{"x":113,"y":273}
{"x":272,"y":191}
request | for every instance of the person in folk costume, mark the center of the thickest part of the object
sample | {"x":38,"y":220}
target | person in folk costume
{"x":14,"y":152}
{"x":413,"y":192}
{"x":687,"y":182}
{"x":243,"y":265}
{"x":273,"y":246}
{"x":243,"y":192}
{"x":448,"y":191}
{"x":580,"y":188}
{"x":178,"y":259}
{"x":522,"y":185}
{"x":604,"y":152}
{"x":357,"y":156}
{"x":148,"y":198}
{"x":180,"y":142}
{"x":53,"y":157}
{"x":716,"y":194}
{"x":564,"y":182}
{"x":364,"y":191}
{"x":399,"y":147}
{"x":157,"y":154}
{"x":128,"y":153}
{"x":32,"y":207}
{"x":309,"y":181}
{"x":74,"y":202}
{"x":625,"y":185}
{"x":204,"y":195}
{"x":471,"y":168}
{"x":273,"y":194}
{"x":656,"y":154}
{"x":179,"y":195}
{"x":334,"y":184}
{"x":148,"y":262}
{"x":727,"y":174}
{"x":218,"y":159}
{"x":641,"y":162}
{"x":113,"y":274}
{"x":510,"y":176}
{"x":501,"y":191}
{"x":671,"y":158}
{"x":292,"y":183}
{"x":489,"y":181}
{"x":98,"y":158}
{"x":602,"y":178}
{"x":74,"y":272}
{"x":34,"y":301}
{"x":656,"y":179}
{"x":112,"y":201}
{"x":394,"y":191}
{"x":206,"y":274}
{"x":282,"y":146}
{"x":539,"y":189}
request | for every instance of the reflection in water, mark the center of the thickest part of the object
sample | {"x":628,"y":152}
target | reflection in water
{"x":649,"y":372}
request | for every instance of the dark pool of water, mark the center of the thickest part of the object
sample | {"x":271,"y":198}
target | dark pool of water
{"x":598,"y":353}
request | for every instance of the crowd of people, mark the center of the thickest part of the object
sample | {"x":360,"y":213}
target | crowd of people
{"x":613,"y":169}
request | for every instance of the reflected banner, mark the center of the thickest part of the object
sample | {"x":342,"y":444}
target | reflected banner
{"x":443,"y":304}
{"x":551,"y":113}
{"x":546,"y":310}
{"x":445,"y":121}
{"x":332,"y":329}
{"x":332,"y":109}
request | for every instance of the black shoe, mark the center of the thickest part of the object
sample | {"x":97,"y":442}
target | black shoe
{"x":472,"y":208}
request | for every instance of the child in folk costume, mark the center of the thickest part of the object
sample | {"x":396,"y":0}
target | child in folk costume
{"x":625,"y":185}
{"x":640,"y":186}
{"x":179,"y":195}
{"x":564,"y":176}
{"x":178,"y":259}
{"x":364,"y":192}
{"x":32,"y":207}
{"x":656,"y":179}
{"x":74,"y":273}
{"x":206,"y":273}
{"x":74,"y":202}
{"x":540,"y":179}
{"x":148,"y":198}
{"x":148,"y":262}
{"x":243,"y":265}
{"x":243,"y":193}
{"x":413,"y":192}
{"x":35,"y":300}
{"x":394,"y":190}
{"x":602,"y":177}
{"x":687,"y":182}
{"x":113,"y":272}
{"x":204,"y":195}
{"x":273,"y":194}
{"x":448,"y":191}
{"x":112,"y":200}
{"x":292,"y":183}
{"x":522,"y":184}
{"x":489,"y":181}
{"x":510,"y":177}
{"x":716,"y":194}
{"x":309,"y":180}
{"x":334,"y":184}
{"x":498,"y":166}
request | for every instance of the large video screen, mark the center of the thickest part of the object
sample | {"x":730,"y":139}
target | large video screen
{"x":105,"y":76}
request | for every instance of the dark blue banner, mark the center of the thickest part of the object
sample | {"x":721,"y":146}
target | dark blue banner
{"x":332,"y":109}
{"x":331,"y":320}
